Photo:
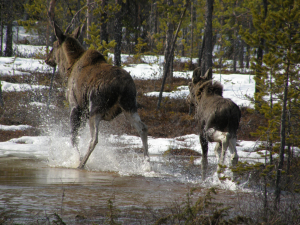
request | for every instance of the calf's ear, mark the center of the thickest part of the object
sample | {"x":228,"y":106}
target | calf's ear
{"x":196,"y":75}
{"x":207,"y":73}
{"x":59,"y":34}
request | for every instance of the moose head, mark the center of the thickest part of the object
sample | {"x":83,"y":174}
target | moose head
{"x":54,"y":55}
{"x":197,"y":80}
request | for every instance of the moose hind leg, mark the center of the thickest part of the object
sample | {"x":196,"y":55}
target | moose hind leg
{"x":218,"y":150}
{"x":221,"y":137}
{"x":204,"y":163}
{"x":141,"y":128}
{"x":233,"y":151}
{"x":75,"y":121}
{"x":94,"y":126}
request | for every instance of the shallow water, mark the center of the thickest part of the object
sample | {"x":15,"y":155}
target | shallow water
{"x":38,"y":178}
{"x":33,"y":191}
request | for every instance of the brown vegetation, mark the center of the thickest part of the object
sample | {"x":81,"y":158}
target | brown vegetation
{"x":172,"y":120}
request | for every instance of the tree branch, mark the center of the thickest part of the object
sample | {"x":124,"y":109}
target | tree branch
{"x":169,"y":56}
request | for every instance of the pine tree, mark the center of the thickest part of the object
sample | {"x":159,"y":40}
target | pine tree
{"x":37,"y":17}
{"x":96,"y":43}
{"x":231,"y":15}
{"x":9,"y":11}
{"x":278,"y":75}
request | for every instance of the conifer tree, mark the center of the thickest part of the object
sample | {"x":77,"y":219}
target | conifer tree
{"x":9,"y":11}
{"x":38,"y":21}
{"x":231,"y":15}
{"x":278,"y":75}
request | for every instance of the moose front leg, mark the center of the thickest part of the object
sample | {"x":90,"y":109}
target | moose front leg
{"x":233,"y":151}
{"x":94,"y":126}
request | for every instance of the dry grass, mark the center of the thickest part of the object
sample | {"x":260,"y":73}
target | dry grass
{"x":172,"y":120}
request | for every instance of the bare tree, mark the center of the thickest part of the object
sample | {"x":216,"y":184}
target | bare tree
{"x":282,"y":139}
{"x":103,"y":21}
{"x":169,"y":58}
{"x":169,"y":38}
{"x":89,"y":17}
{"x":1,"y":97}
{"x":1,"y":27}
{"x":118,"y":35}
{"x":9,"y":34}
{"x":260,"y":47}
{"x":207,"y":43}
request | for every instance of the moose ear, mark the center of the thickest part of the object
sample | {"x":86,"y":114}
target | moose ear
{"x":196,"y":75}
{"x":59,"y":34}
{"x":76,"y":32}
{"x":207,"y":73}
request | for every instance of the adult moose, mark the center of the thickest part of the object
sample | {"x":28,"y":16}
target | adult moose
{"x":218,"y":118}
{"x":95,"y":89}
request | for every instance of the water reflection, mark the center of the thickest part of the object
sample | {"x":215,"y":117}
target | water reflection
{"x":30,"y":189}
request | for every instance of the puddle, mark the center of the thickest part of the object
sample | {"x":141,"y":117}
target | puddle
{"x":33,"y":191}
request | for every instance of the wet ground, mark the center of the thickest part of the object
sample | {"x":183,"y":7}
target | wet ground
{"x":32,"y":192}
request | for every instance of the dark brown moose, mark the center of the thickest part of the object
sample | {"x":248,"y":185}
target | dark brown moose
{"x":218,"y":118}
{"x":95,"y":89}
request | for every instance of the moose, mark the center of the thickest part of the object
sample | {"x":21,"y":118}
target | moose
{"x":96,"y":90}
{"x":218,"y":118}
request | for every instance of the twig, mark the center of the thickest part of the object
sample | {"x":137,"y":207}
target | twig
{"x":74,"y":17}
{"x":51,"y":87}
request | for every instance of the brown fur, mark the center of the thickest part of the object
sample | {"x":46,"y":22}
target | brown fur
{"x":208,"y":88}
{"x":96,"y":89}
{"x":218,"y":118}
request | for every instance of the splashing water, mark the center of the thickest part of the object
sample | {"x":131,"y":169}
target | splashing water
{"x":118,"y":154}
{"x":105,"y":157}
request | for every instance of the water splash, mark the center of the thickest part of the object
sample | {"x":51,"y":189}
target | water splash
{"x":118,"y":154}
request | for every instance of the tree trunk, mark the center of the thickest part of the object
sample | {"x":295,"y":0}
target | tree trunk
{"x":235,"y":49}
{"x":192,"y":34}
{"x":137,"y":22}
{"x":51,"y":16}
{"x":271,"y":107}
{"x":1,"y":19}
{"x":248,"y":49}
{"x":1,"y":38}
{"x":235,"y":44}
{"x":208,"y":36}
{"x":118,"y":35}
{"x":248,"y":56}
{"x":289,"y":144}
{"x":1,"y":97}
{"x":88,"y":18}
{"x":103,"y":22}
{"x":241,"y":54}
{"x":282,"y":140}
{"x":201,"y":49}
{"x":168,"y":59}
{"x":260,"y":51}
{"x":9,"y":39}
{"x":169,"y":38}
{"x":152,"y":23}
{"x":77,"y":23}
